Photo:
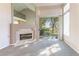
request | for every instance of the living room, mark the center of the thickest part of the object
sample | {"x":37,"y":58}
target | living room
{"x":21,"y":31}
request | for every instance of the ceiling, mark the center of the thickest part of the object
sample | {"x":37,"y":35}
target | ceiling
{"x":48,"y":4}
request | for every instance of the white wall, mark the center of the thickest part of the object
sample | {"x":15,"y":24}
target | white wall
{"x":73,"y":39}
{"x":5,"y":19}
{"x":50,"y":11}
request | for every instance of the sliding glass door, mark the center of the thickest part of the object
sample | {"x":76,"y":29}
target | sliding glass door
{"x":49,"y":26}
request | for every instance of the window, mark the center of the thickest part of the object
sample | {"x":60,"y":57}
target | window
{"x":66,"y":20}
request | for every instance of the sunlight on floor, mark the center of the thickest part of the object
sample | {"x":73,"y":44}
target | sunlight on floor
{"x":52,"y":49}
{"x":55,"y":48}
{"x":45,"y":52}
{"x":24,"y":46}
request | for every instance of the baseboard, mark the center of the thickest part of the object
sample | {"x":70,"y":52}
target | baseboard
{"x":72,"y":46}
{"x":13,"y":44}
{"x":3,"y":47}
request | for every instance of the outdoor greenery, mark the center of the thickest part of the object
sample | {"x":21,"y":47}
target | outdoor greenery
{"x":53,"y":26}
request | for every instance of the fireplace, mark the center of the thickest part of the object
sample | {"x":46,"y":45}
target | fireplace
{"x":26,"y":36}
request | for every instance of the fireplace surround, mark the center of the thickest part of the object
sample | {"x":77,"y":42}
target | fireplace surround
{"x":24,"y":34}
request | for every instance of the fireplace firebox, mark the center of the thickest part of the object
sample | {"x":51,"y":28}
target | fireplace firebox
{"x":25,"y":36}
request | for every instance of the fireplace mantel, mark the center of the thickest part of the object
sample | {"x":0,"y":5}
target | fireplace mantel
{"x":18,"y":29}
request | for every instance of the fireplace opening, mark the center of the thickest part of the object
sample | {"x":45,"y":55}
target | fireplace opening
{"x":25,"y":36}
